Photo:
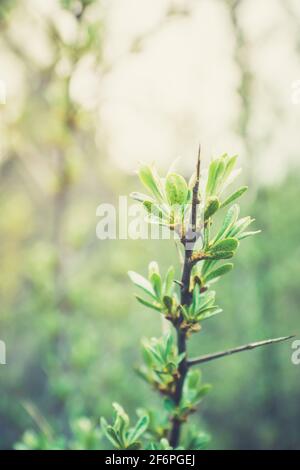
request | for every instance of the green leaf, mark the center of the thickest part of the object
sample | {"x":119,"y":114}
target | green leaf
{"x":203,"y":391}
{"x":229,"y":220}
{"x":240,"y":226}
{"x":218,"y":175}
{"x":207,"y":300}
{"x":202,"y":442}
{"x":168,"y":302}
{"x":176,"y":189}
{"x":162,"y":445}
{"x":229,"y":244}
{"x":248,"y":234}
{"x":168,"y":345}
{"x":169,"y":405}
{"x":230,"y":164}
{"x":211,"y":176}
{"x":169,"y":280}
{"x":155,"y":280}
{"x":140,"y":197}
{"x":196,"y":298}
{"x":121,"y":413}
{"x":139,"y":429}
{"x":193,"y":391}
{"x":154,"y":210}
{"x":134,"y":446}
{"x":153,"y":268}
{"x":207,"y":265}
{"x":163,"y":222}
{"x":226,"y":268}
{"x":222,"y":255}
{"x":151,"y":181}
{"x":194,"y":378}
{"x":110,"y":434}
{"x":234,"y":196}
{"x":208,"y":313}
{"x":196,"y":440}
{"x":231,"y":178}
{"x":147,"y":356}
{"x":212,"y":206}
{"x":180,"y":357}
{"x":156,"y":354}
{"x":154,"y":306}
{"x":142,"y":283}
{"x":121,"y":423}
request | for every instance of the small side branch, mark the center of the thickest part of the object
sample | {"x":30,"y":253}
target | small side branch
{"x":245,"y":347}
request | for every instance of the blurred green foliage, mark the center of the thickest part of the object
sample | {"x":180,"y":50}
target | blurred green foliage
{"x":67,"y":313}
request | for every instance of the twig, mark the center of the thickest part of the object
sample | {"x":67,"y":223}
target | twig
{"x":245,"y":347}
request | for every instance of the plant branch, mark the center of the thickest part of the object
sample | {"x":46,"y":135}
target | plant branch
{"x":181,"y":345}
{"x":195,"y":199}
{"x":245,"y":347}
{"x":185,"y":300}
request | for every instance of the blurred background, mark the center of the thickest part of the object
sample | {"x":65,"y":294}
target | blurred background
{"x":92,"y":88}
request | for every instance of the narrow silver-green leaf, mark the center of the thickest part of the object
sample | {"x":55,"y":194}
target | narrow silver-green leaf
{"x":240,"y":226}
{"x":110,"y":434}
{"x":207,"y":300}
{"x":196,"y":298}
{"x":208,"y":313}
{"x":169,"y":280}
{"x":229,"y":220}
{"x":153,"y":268}
{"x":140,"y":197}
{"x":230,"y":164}
{"x":151,"y":181}
{"x":211,"y":176}
{"x":224,"y":269}
{"x":155,"y":280}
{"x":248,"y":234}
{"x":219,"y":173}
{"x":142,"y":283}
{"x":154,"y":306}
{"x":139,"y":429}
{"x":234,"y":196}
